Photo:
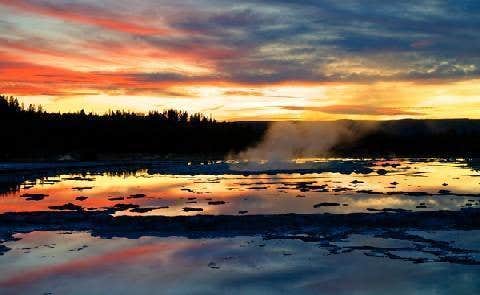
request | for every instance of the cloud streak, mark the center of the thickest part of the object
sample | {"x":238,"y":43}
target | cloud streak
{"x":354,"y":110}
{"x":85,"y":14}
{"x":118,"y":47}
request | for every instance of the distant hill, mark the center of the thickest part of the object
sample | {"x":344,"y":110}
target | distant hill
{"x":416,"y":138}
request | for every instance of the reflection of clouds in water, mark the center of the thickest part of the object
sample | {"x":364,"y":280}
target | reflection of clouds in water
{"x":381,"y":202}
{"x":247,"y":265}
{"x":265,"y":193}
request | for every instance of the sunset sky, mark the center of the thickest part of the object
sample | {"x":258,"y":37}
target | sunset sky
{"x":245,"y":60}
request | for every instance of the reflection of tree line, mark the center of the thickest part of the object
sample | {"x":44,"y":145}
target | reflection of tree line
{"x":32,"y":132}
{"x":12,"y":182}
{"x":473,"y":164}
{"x":9,"y":187}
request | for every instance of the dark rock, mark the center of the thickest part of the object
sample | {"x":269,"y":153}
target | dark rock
{"x":68,"y":206}
{"x":79,"y":178}
{"x":188,"y":209}
{"x":216,"y":202}
{"x":369,"y":191}
{"x":417,"y":194}
{"x":82,"y":188}
{"x":258,"y":187}
{"x":341,"y":189}
{"x":137,"y":196}
{"x":382,"y":171}
{"x":325,"y":204}
{"x":3,"y":249}
{"x":213,"y":265}
{"x":34,"y":197}
{"x":143,"y":210}
{"x":123,"y":207}
{"x":356,"y":181}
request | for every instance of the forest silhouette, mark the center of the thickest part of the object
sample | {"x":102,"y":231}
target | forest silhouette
{"x":31,"y":132}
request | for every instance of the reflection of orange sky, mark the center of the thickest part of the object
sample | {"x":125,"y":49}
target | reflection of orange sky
{"x":166,"y":190}
{"x":160,"y":252}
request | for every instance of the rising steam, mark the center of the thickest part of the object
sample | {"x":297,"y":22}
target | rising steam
{"x":291,"y":140}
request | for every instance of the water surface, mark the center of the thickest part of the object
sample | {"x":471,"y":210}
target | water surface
{"x":70,"y":262}
{"x":337,"y":260}
{"x":259,"y":188}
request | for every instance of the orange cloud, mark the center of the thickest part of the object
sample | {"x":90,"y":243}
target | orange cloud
{"x":87,"y":15}
{"x":20,"y":77}
{"x":353,"y":110}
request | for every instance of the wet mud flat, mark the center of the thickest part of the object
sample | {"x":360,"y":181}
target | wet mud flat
{"x":59,"y":252}
{"x":312,"y":186}
{"x":304,"y":227}
{"x":219,"y":225}
{"x":375,"y":262}
{"x":311,"y":227}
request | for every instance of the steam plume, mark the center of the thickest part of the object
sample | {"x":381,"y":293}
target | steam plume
{"x":289,"y":140}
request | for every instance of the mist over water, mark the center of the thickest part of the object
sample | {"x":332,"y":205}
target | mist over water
{"x":285,"y":141}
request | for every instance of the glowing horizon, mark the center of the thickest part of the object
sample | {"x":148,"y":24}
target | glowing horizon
{"x":258,"y":60}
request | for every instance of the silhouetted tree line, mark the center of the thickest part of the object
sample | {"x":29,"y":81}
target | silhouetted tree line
{"x":31,"y":132}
